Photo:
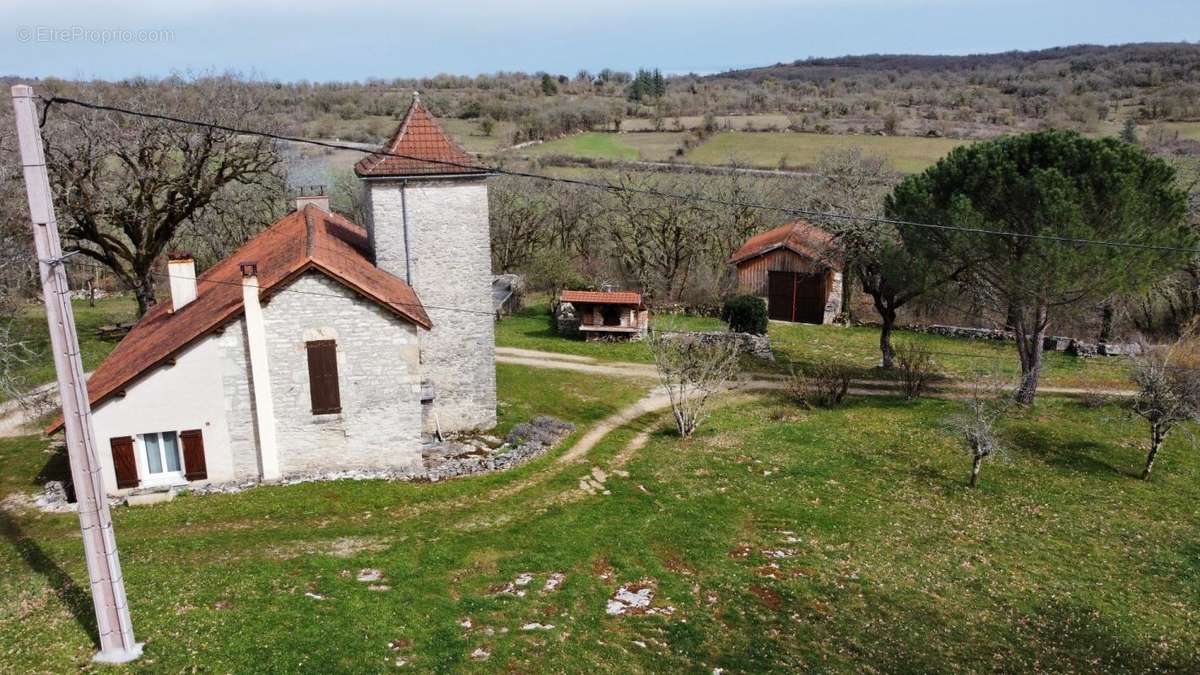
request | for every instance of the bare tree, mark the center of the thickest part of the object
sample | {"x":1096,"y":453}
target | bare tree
{"x":125,"y":185}
{"x":518,"y":215}
{"x":691,"y":370}
{"x":659,"y":229}
{"x":16,"y":261}
{"x":855,"y":183}
{"x":987,"y":402}
{"x":1168,"y":382}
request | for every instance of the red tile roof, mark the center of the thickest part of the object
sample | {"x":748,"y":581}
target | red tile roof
{"x":309,"y":239}
{"x":602,"y":297}
{"x":425,"y":147}
{"x":800,"y":237}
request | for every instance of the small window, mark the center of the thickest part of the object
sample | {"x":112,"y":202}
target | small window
{"x":161,"y":450}
{"x":323,"y":377}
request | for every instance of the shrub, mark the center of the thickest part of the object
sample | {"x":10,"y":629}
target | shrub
{"x":822,"y":385}
{"x":745,"y":314}
{"x":916,"y":367}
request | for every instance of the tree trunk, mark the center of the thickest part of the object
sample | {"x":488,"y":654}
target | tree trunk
{"x":144,"y":292}
{"x":976,"y":465}
{"x":1106,"y":323}
{"x":887,"y":353}
{"x":847,"y":293}
{"x":1029,"y":348}
{"x":1011,"y":317}
{"x":1156,"y":439}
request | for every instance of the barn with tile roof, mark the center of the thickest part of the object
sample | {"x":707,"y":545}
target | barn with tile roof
{"x":796,"y":269}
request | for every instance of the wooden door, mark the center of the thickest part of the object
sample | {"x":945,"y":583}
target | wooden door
{"x":810,"y":298}
{"x":793,"y":296}
{"x":780,"y":292}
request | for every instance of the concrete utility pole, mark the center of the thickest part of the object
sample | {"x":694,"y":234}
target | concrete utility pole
{"x":99,"y":543}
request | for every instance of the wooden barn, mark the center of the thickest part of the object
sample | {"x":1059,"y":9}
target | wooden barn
{"x":795,"y":269}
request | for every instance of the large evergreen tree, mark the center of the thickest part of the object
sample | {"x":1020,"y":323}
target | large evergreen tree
{"x":1055,"y":184}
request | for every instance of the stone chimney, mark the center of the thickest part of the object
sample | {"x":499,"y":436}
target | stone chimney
{"x":181,"y":271}
{"x":312,"y":194}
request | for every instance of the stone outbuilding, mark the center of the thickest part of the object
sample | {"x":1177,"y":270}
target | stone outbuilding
{"x":595,"y":315}
{"x":321,"y":345}
{"x":796,"y":269}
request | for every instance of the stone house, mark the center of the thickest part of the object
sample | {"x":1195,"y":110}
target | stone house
{"x":796,"y":269}
{"x":321,"y":345}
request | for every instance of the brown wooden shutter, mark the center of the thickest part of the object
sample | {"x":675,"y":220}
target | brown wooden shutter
{"x":124,"y":464}
{"x":193,"y":455}
{"x":323,"y":377}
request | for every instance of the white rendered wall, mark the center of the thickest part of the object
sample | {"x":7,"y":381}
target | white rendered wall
{"x":187,"y":395}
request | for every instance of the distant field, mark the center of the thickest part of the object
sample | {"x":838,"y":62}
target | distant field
{"x":468,"y":135}
{"x":647,"y":146}
{"x":906,"y":154}
{"x":738,"y":122}
{"x":1188,"y":130}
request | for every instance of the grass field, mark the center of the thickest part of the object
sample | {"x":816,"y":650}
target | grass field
{"x":776,"y":540}
{"x":1187,"y":130}
{"x":649,"y":146}
{"x":797,"y":344}
{"x":472,"y":139}
{"x":40,"y":369}
{"x":906,"y":154}
{"x":736,"y":122}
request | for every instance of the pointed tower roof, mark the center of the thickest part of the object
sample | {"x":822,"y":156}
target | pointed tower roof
{"x":425,"y":148}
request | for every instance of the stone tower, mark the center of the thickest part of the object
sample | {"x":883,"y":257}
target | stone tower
{"x":428,"y":224}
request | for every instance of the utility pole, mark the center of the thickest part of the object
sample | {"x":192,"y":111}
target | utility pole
{"x":99,"y":543}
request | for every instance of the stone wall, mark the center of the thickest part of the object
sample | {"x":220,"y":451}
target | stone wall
{"x":447,"y":259}
{"x":1050,"y":343}
{"x":758,"y":346}
{"x":239,"y":401}
{"x":379,"y":426}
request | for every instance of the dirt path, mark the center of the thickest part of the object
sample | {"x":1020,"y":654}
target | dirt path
{"x":17,"y":415}
{"x":875,"y":387}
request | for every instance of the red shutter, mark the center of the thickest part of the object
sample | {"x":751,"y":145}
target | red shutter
{"x":323,"y":377}
{"x":124,"y":464}
{"x":193,"y":455}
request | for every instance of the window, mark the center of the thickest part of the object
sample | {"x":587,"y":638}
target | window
{"x":161,"y":450}
{"x":323,"y":377}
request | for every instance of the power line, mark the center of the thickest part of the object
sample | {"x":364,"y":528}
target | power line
{"x":810,"y":213}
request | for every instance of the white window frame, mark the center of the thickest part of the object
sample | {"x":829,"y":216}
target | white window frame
{"x":163,"y":477}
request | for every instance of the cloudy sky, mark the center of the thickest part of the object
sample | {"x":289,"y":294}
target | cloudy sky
{"x":328,"y":39}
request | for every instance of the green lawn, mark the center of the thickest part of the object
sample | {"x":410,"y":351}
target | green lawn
{"x":905,"y":153}
{"x":775,"y":540}
{"x":799,"y":344}
{"x":33,"y":327}
{"x":530,"y":329}
{"x":954,"y":357}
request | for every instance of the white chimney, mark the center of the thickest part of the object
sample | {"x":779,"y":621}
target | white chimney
{"x":181,"y":270}
{"x":312,"y":194}
{"x":260,"y":372}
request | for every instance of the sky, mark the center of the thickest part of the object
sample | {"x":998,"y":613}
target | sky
{"x":322,"y":40}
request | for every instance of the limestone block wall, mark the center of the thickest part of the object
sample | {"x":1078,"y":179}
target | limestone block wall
{"x":239,"y":401}
{"x":379,"y":426}
{"x":446,"y":257}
